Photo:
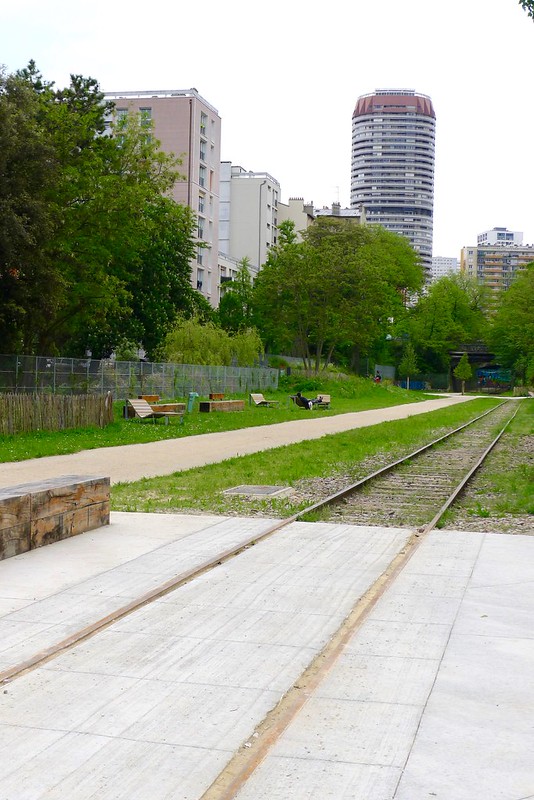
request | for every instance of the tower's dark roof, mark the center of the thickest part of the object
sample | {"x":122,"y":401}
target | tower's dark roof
{"x":394,"y":103}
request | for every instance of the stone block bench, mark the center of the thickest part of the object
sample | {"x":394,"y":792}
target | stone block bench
{"x":35,"y":514}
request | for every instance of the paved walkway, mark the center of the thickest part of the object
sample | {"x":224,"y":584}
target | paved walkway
{"x":432,"y":697}
{"x":135,"y":461}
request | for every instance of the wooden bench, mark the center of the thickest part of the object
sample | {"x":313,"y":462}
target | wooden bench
{"x":322,"y":401}
{"x":221,"y":405}
{"x":143,"y":410}
{"x":39,"y":513}
{"x":258,"y":399}
{"x":179,"y":408}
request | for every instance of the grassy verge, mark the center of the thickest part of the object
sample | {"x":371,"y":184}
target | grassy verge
{"x":200,"y":489}
{"x":351,"y":395}
{"x":505,"y":484}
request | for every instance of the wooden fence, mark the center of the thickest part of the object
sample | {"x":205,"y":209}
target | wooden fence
{"x":20,"y":413}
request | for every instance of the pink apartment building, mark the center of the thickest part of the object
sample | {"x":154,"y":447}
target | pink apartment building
{"x":190,"y":128}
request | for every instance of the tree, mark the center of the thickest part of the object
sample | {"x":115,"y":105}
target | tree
{"x":235,"y":307}
{"x":408,"y":365}
{"x":451,"y":313}
{"x":463,"y":370}
{"x":29,"y":169}
{"x":92,"y":250}
{"x":528,"y":6}
{"x":334,"y":290}
{"x":192,"y":342}
{"x":512,"y":330}
{"x":161,"y":286}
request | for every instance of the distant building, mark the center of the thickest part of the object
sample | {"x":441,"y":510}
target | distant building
{"x":442,"y":266}
{"x":496,"y":263}
{"x":355,"y":214}
{"x":500,"y":236}
{"x":392,"y":175}
{"x":248,"y":217}
{"x":190,"y":128}
{"x":297,"y":211}
{"x":303,"y":214}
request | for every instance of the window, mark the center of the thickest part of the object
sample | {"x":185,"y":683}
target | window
{"x":203,"y":123}
{"x":202,"y":176}
{"x":146,"y":116}
{"x":201,"y":203}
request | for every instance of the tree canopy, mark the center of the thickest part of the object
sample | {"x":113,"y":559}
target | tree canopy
{"x":192,"y":341}
{"x":512,"y":330}
{"x":528,"y":5}
{"x":451,"y":313}
{"x":92,"y":250}
{"x":235,"y":307}
{"x":336,"y":289}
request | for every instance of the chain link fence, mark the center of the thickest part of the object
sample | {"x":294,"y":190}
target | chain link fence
{"x":127,"y":378}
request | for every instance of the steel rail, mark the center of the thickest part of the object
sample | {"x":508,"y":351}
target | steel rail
{"x":389,"y":467}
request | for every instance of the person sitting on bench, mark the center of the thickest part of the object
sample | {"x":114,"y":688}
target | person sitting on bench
{"x":303,"y":402}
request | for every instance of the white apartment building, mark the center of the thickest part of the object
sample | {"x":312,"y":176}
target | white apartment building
{"x":500,"y":236}
{"x":248,"y":214}
{"x":442,"y":266}
{"x":190,"y":128}
{"x":392,"y":175}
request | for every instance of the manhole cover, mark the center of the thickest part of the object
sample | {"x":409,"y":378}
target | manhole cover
{"x":260,"y":491}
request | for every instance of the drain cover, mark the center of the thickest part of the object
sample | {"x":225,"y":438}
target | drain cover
{"x":260,"y":491}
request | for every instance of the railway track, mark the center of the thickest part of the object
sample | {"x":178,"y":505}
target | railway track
{"x":410,"y":491}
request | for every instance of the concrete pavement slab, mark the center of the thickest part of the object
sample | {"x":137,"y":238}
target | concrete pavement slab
{"x":417,"y":707}
{"x":73,"y":583}
{"x":178,"y":699}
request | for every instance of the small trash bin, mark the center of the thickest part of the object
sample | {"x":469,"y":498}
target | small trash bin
{"x":191,"y":401}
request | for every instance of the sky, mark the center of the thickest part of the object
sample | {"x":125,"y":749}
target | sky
{"x":285,"y":76}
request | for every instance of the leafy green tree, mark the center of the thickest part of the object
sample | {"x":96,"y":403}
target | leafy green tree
{"x":192,"y":342}
{"x":336,"y":289}
{"x":512,"y":330}
{"x":161,"y":286}
{"x":463,"y":370}
{"x":451,"y":313}
{"x":29,"y":170}
{"x":408,"y":365}
{"x":528,"y":5}
{"x":92,"y":250}
{"x":235,"y":307}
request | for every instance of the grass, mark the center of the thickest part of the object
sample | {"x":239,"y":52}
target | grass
{"x":505,"y":484}
{"x":356,"y":394}
{"x":200,"y":489}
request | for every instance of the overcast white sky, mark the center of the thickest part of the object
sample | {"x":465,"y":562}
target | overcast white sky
{"x":285,"y":75}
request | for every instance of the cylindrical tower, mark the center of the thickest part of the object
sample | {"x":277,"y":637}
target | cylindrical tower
{"x":393,"y":145}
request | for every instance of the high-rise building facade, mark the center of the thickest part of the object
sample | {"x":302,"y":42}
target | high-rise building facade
{"x":190,"y":128}
{"x":392,"y":176}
